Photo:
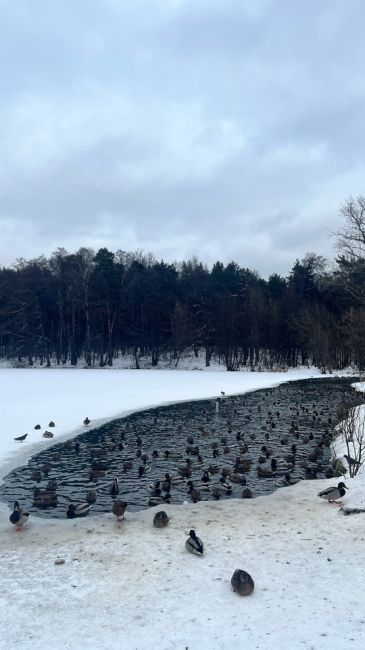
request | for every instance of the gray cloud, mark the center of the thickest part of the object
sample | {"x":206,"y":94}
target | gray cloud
{"x":223,"y":130}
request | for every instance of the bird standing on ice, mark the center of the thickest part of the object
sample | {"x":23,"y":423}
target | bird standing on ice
{"x":18,"y":517}
{"x":119,"y":508}
{"x":331,"y":494}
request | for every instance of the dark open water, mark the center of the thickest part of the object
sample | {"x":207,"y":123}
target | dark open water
{"x":299,"y":413}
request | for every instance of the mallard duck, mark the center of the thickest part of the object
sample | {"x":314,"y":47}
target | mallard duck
{"x":21,"y":438}
{"x":237,"y":478}
{"x":177,"y":480}
{"x":195,"y":495}
{"x":156,"y":485}
{"x":114,"y":488}
{"x":246,"y":493}
{"x":197,"y":486}
{"x":242,"y":582}
{"x":91,"y":496}
{"x":225,"y":484}
{"x":185,"y":472}
{"x":45,"y":498}
{"x":194,"y":544}
{"x":51,"y":424}
{"x":216,"y":492}
{"x":333,"y":493}
{"x":206,"y":476}
{"x":166,"y":485}
{"x":160,"y":519}
{"x":143,"y":469}
{"x":78,"y":510}
{"x":37,"y":426}
{"x":86,"y":421}
{"x":287,"y":480}
{"x":19,"y":517}
{"x":157,"y":500}
{"x":119,"y":508}
{"x":264,"y":472}
{"x":48,"y":434}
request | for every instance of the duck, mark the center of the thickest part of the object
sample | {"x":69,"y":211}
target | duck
{"x":157,"y":500}
{"x":216,"y":492}
{"x":44,"y":498}
{"x":18,"y":517}
{"x":119,"y":508}
{"x":155,"y":488}
{"x":21,"y":438}
{"x":242,"y":582}
{"x":287,"y":480}
{"x":37,"y":426}
{"x":264,"y":472}
{"x":177,"y":480}
{"x":352,"y":461}
{"x":166,"y":484}
{"x":143,"y":469}
{"x":86,"y":421}
{"x":51,"y":424}
{"x":91,"y":496}
{"x":78,"y":510}
{"x":114,"y":488}
{"x":194,"y":544}
{"x":36,"y":475}
{"x":48,"y":434}
{"x":333,"y":493}
{"x":225,"y":484}
{"x":160,"y":519}
{"x":195,"y":494}
{"x":197,"y":486}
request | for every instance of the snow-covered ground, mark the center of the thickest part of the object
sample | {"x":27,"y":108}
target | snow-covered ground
{"x":135,"y":587}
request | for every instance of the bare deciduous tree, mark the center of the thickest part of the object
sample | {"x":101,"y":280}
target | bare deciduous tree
{"x":351,"y":240}
{"x":352,"y":430}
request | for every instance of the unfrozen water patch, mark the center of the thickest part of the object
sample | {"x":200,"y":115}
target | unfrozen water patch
{"x":294,"y":422}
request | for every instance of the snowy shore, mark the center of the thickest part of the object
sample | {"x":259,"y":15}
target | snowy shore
{"x":132,"y":586}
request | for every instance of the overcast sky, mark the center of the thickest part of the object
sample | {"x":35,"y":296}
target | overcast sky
{"x":224,"y":129}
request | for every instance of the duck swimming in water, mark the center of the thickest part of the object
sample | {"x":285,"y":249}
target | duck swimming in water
{"x":194,"y":544}
{"x":114,"y":489}
{"x":331,"y":494}
{"x":19,"y":517}
{"x":78,"y":510}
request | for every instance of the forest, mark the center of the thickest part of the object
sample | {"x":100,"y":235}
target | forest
{"x":92,"y":307}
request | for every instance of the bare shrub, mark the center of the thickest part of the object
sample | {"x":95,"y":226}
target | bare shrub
{"x":352,"y":430}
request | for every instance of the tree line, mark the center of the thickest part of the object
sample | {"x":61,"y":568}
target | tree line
{"x":96,"y":306}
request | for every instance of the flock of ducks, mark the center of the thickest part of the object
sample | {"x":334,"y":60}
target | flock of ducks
{"x":160,"y":490}
{"x":46,"y":434}
{"x":19,"y":517}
